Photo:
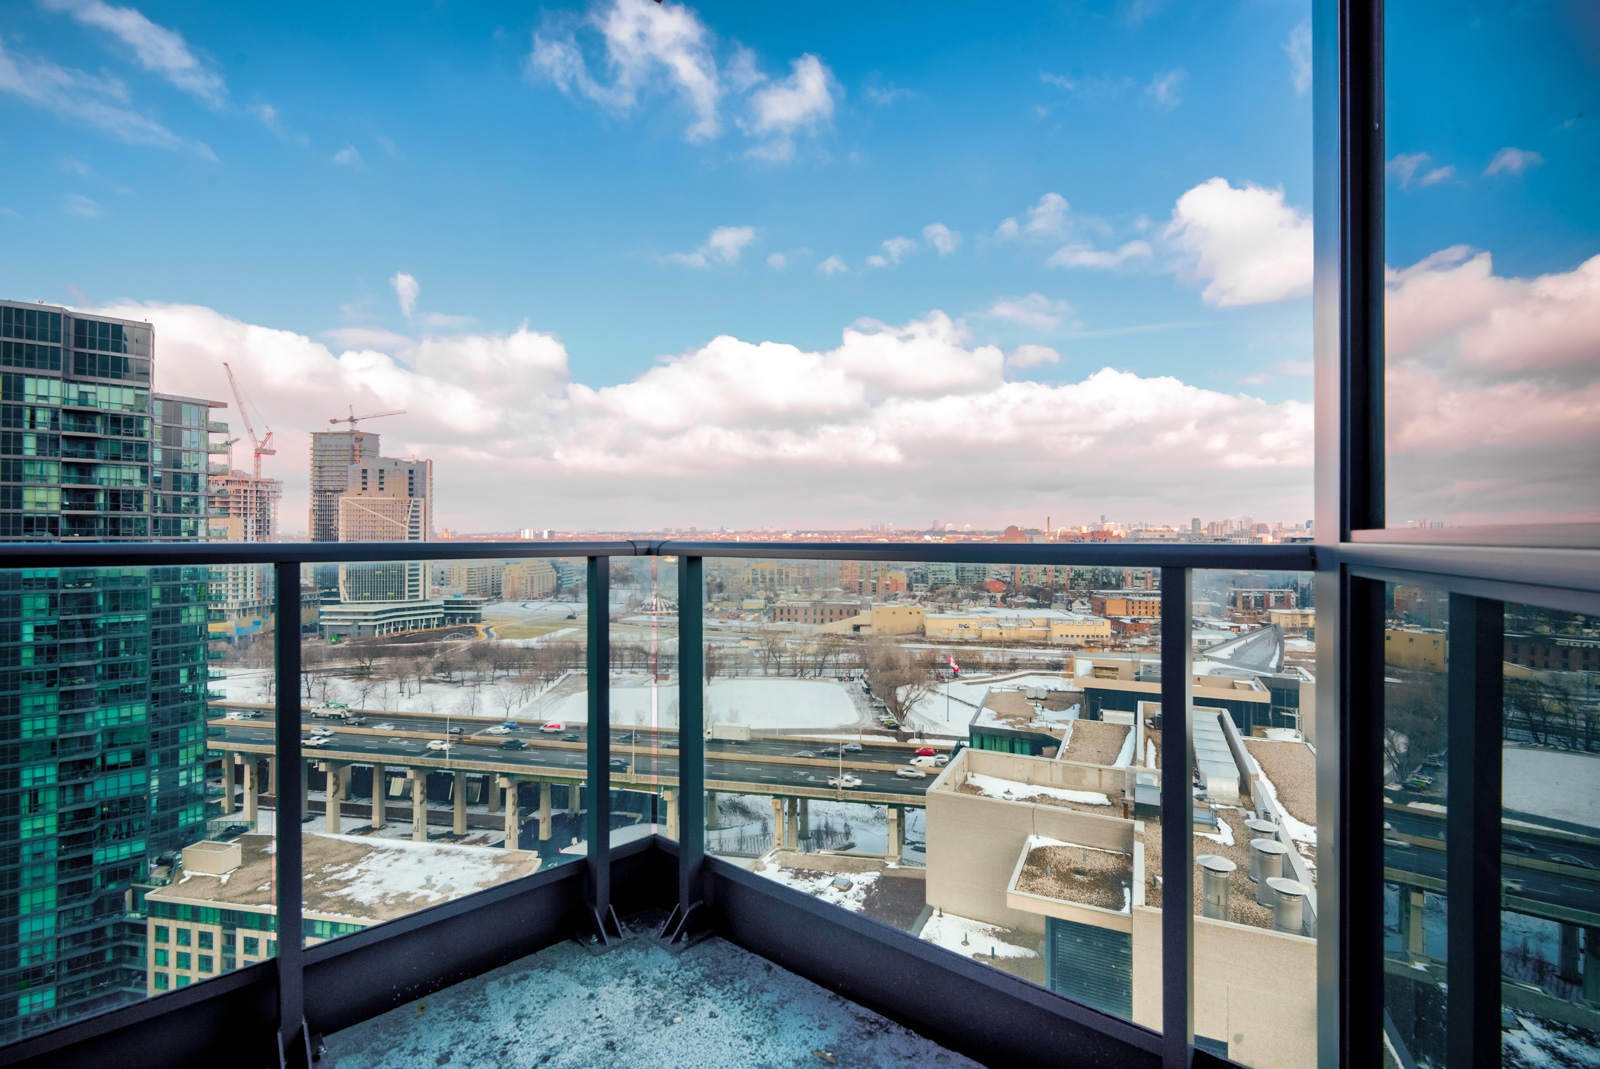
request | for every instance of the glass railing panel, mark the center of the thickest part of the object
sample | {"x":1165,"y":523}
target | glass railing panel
{"x":123,"y":803}
{"x":921,"y":743}
{"x":644,"y":697}
{"x":1550,"y":838}
{"x":1253,"y":764}
{"x":445,"y":705}
{"x":1415,"y":739}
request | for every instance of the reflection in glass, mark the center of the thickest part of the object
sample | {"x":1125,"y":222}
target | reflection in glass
{"x":1492,"y":236}
{"x":1550,"y":837}
{"x":644,"y":697}
{"x":1255,"y":817}
{"x":1414,"y":877}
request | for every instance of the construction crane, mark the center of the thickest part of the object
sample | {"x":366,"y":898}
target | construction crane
{"x":353,"y":419}
{"x":261,"y":446}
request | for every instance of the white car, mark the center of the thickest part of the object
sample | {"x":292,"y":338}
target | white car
{"x":317,"y":740}
{"x":498,"y":729}
{"x":323,"y":733}
{"x":910,"y":773}
{"x":553,"y":728}
{"x":382,"y":727}
{"x":438,"y":744}
{"x":844,"y":783}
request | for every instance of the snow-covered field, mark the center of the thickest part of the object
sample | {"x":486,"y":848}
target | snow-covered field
{"x":820,"y":885}
{"x":754,"y":702}
{"x":1552,"y":783}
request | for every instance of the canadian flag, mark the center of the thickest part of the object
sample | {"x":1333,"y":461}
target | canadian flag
{"x":952,"y":660}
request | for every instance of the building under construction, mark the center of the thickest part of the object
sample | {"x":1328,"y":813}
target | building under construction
{"x":244,"y":508}
{"x":332,"y":454}
{"x":386,"y":500}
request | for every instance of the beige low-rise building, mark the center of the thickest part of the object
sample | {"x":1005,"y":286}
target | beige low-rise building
{"x":1016,"y":625}
{"x":1054,"y":852}
{"x":528,"y":579}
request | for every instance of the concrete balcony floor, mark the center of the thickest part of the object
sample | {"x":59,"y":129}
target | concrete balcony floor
{"x":715,"y":1006}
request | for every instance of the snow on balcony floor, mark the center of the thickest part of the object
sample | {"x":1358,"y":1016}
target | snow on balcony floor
{"x":715,"y":1006}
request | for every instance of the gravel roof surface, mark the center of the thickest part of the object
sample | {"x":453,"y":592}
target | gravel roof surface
{"x":1084,"y":875}
{"x":1292,"y":768}
{"x":1094,"y":742}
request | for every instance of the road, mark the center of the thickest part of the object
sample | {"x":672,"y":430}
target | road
{"x":723,"y":760}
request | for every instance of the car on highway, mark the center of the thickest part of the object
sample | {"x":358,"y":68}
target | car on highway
{"x":619,"y":763}
{"x":1512,"y":845}
{"x":804,"y":753}
{"x":844,"y":783}
{"x":514,"y":744}
{"x":438,"y":744}
{"x":629,"y":737}
{"x":570,"y":738}
{"x":244,"y":714}
{"x":926,"y":751}
{"x":553,"y":727}
{"x":317,"y":740}
{"x":936,"y":761}
{"x":321,"y":731}
{"x":851,"y":747}
{"x":500,"y":729}
{"x":383,"y":727}
{"x":910,"y":773}
{"x":1574,"y":861}
{"x":455,"y":731}
{"x":829,"y":753}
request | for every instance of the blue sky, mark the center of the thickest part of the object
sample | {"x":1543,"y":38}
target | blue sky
{"x":1083,"y":186}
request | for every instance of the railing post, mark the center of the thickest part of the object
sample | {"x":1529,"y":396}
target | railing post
{"x":604,"y":930}
{"x":688,"y":922}
{"x":1177,"y":819}
{"x":1474,"y":692}
{"x":294,"y":1043}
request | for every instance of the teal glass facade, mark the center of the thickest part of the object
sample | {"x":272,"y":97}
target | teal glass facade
{"x":102,"y":670}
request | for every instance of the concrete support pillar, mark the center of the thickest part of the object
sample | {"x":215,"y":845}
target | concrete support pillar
{"x":896,"y":844}
{"x":670,"y":798}
{"x":380,"y":795}
{"x":338,"y":786}
{"x":1411,"y":922}
{"x":513,"y":814}
{"x":713,"y":819}
{"x":460,"y":826}
{"x":494,"y":794}
{"x":305,"y":790}
{"x":270,"y":784}
{"x":252,"y":792}
{"x":544,"y":812}
{"x":419,"y":804}
{"x":791,"y":825}
{"x":1568,"y":962}
{"x":1591,"y":965}
{"x":228,"y":758}
{"x":777,"y":823}
{"x":805,"y":818}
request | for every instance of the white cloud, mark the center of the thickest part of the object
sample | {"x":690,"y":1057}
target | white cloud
{"x":1244,"y":243}
{"x":832,"y":266}
{"x":156,"y":48}
{"x":883,"y":97}
{"x":1298,"y":47}
{"x":1060,"y":81}
{"x":1492,"y":408}
{"x":443,"y":321}
{"x":802,"y":103}
{"x":777,"y":261}
{"x":1513,"y":161}
{"x":100,"y":102}
{"x":347,"y":157}
{"x":724,"y":245}
{"x":1411,"y":168}
{"x":1032,"y":356}
{"x":368,"y":338}
{"x":1035,"y":310}
{"x":745,"y":432}
{"x":895,"y":250}
{"x":1163,"y":88}
{"x":1046,"y":219}
{"x":1087,"y":256}
{"x":941,"y":237}
{"x":648,"y":47}
{"x":407,"y":289}
{"x":651,"y":49}
{"x":78,"y":204}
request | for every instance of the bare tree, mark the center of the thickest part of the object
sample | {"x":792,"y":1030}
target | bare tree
{"x":769,"y":650}
{"x":1413,"y":727}
{"x":897,"y":678}
{"x":1524,"y":702}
